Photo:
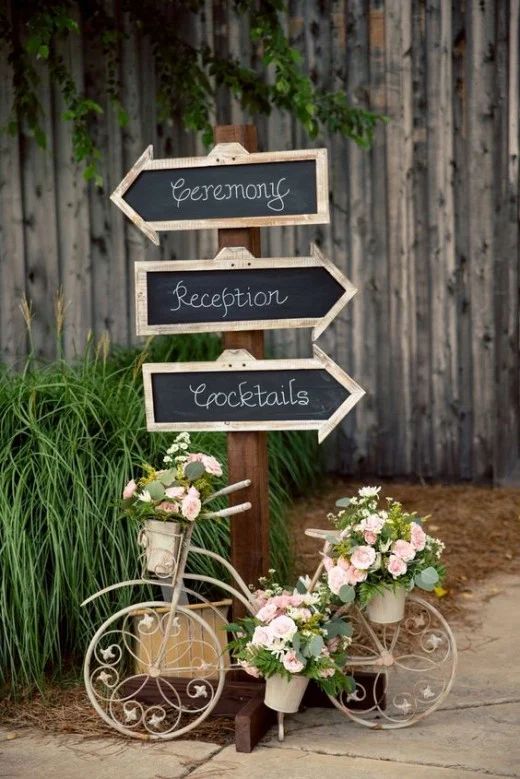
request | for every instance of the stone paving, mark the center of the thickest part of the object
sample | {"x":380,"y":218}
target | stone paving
{"x":475,"y":733}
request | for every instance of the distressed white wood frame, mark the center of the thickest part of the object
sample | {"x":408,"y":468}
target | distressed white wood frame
{"x":240,"y":358}
{"x":226,"y":154}
{"x":237,"y":259}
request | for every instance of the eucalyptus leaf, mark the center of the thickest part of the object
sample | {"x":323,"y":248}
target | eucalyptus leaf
{"x":315,"y":645}
{"x":343,"y":503}
{"x":301,"y":586}
{"x":427,"y":579}
{"x":168,"y":477}
{"x":347,"y":593}
{"x":296,"y":642}
{"x":194,"y":471}
{"x":156,"y":490}
{"x":338,"y":627}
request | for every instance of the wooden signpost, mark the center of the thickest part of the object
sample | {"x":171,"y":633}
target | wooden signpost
{"x":238,"y":190}
{"x":238,"y":392}
{"x":228,"y":188}
{"x":239,"y":292}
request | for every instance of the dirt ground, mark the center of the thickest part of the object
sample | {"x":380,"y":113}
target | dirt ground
{"x":479,"y":525}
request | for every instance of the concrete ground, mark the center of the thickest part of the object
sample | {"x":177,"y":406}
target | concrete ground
{"x":475,"y":733}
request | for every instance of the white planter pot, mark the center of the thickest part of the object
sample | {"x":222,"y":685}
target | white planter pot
{"x":285,"y":695}
{"x":387,"y":607}
{"x":161,"y":541}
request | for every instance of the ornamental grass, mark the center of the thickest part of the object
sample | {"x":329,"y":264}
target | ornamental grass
{"x":71,"y":435}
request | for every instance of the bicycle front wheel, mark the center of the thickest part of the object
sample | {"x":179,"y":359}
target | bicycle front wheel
{"x":153,"y":675}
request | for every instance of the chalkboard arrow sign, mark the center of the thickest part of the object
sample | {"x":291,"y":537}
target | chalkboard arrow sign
{"x":228,"y":188}
{"x":237,"y":291}
{"x":238,"y":392}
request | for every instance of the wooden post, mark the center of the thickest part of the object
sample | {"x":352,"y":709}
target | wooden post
{"x":247,"y":451}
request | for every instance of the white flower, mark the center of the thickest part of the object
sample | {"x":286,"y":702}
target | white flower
{"x":369,"y":492}
{"x":166,"y":458}
{"x":262,"y":636}
{"x":283,"y":627}
{"x":173,"y":448}
{"x":145,"y":496}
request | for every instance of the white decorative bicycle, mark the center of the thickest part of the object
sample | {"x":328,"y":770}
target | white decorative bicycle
{"x":156,"y":669}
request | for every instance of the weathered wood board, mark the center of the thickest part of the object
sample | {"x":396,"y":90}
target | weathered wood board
{"x":237,"y":291}
{"x":237,"y":393}
{"x":228,"y":188}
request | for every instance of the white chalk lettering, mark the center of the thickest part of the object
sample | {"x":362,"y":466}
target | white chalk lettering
{"x":272,"y":192}
{"x":225,"y":299}
{"x":248,"y":395}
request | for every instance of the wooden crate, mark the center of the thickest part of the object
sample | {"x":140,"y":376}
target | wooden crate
{"x":186,"y":647}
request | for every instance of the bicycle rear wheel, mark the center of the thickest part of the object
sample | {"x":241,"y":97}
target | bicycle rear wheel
{"x":152,"y":677}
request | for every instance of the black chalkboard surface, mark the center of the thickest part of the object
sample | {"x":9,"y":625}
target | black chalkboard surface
{"x":263,"y":395}
{"x":240,"y":295}
{"x":225,"y":191}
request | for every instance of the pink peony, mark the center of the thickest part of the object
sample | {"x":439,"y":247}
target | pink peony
{"x":169,"y":508}
{"x":328,"y":562}
{"x":336,"y":578}
{"x":325,"y":672}
{"x":396,"y":566}
{"x":418,"y":536}
{"x":373,"y":523}
{"x":175,"y":492}
{"x":404,"y":550}
{"x":191,"y":504}
{"x":211,"y":465}
{"x":291,"y":663}
{"x":355,"y":575}
{"x":363,"y":557}
{"x":129,"y":490}
{"x":267,"y":612}
{"x":283,"y":627}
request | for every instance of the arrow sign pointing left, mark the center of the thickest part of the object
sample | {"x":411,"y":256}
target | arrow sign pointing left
{"x":238,"y":392}
{"x":237,"y":291}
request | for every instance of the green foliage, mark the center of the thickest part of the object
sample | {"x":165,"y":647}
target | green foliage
{"x":188,"y":77}
{"x":70,"y":438}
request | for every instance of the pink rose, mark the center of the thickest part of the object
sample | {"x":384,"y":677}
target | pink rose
{"x":291,"y":662}
{"x":282,"y":601}
{"x":283,"y":627}
{"x":396,"y":566}
{"x":267,"y":612}
{"x":129,"y":490}
{"x":175,"y":492}
{"x":249,"y":669}
{"x":343,"y":563}
{"x":363,"y":557}
{"x":211,"y":465}
{"x":191,"y":504}
{"x":336,"y":578}
{"x":404,"y":550}
{"x":169,"y":508}
{"x":370,"y":538}
{"x":418,"y":537}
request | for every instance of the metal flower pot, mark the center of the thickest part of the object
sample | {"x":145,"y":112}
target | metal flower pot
{"x":387,"y":607}
{"x":283,"y":694}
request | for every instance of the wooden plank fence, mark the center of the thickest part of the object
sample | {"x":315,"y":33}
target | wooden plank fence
{"x":426,"y":224}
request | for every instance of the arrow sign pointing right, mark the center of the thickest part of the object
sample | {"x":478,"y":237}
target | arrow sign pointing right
{"x":238,"y":392}
{"x":237,"y":291}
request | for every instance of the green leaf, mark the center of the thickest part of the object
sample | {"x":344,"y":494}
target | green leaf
{"x":296,"y":642}
{"x":301,"y":587}
{"x":156,"y":490}
{"x":315,"y":646}
{"x":347,"y":593}
{"x":194,"y":471}
{"x":343,"y":503}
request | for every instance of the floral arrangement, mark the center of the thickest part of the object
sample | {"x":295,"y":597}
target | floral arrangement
{"x":379,"y":548}
{"x":294,"y":632}
{"x":176,"y":492}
